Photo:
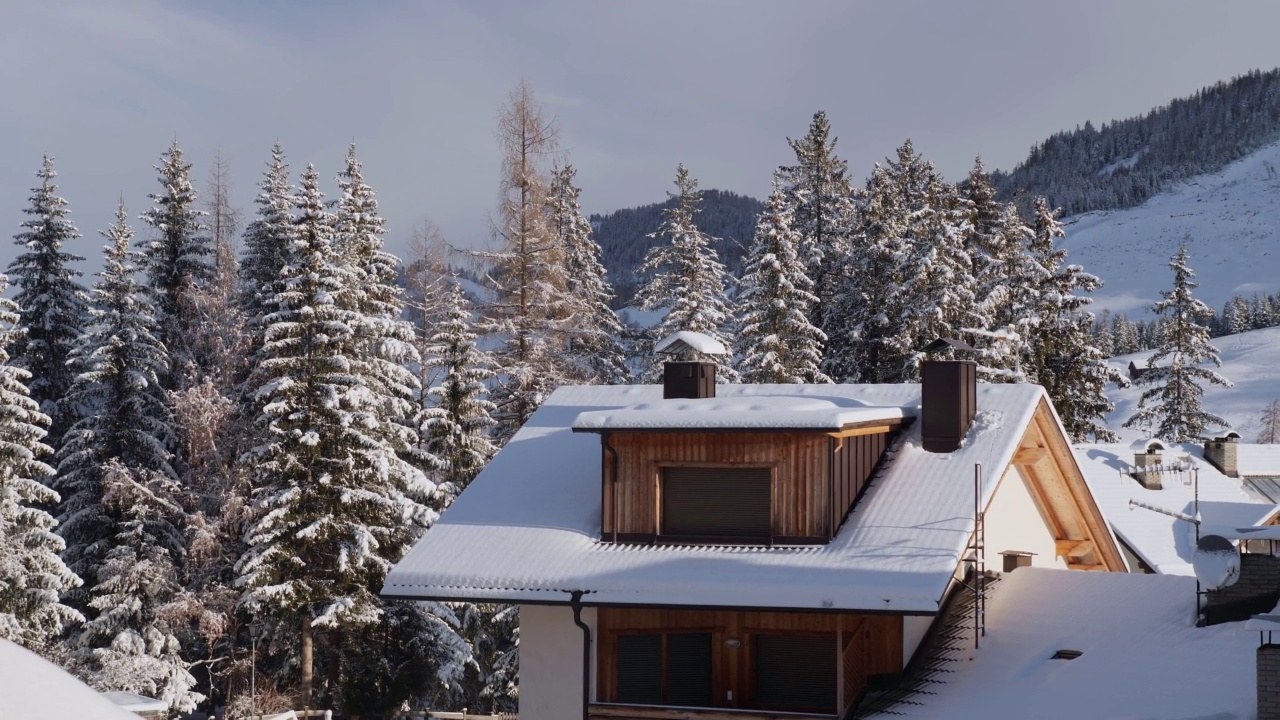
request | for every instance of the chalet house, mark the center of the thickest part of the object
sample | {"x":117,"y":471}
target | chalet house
{"x":1136,"y":371}
{"x":749,"y":550}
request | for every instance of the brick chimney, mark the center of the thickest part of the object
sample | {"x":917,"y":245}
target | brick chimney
{"x":948,"y":396}
{"x":1269,"y":681}
{"x":1222,"y":451}
{"x":688,"y":375}
{"x":1146,"y":462}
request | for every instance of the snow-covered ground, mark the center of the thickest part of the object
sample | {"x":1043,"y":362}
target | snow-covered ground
{"x":1229,"y":219}
{"x":1250,"y":360}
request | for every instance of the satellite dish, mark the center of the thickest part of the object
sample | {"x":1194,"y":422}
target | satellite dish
{"x":1216,"y":561}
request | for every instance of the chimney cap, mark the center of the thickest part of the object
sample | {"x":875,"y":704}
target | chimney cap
{"x":949,"y":344}
{"x":1228,"y":436}
{"x":1147,"y":445}
{"x":688,"y":343}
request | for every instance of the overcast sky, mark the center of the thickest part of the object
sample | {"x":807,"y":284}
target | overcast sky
{"x":104,"y":85}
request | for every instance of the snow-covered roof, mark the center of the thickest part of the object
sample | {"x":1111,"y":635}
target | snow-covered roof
{"x":1163,"y":542}
{"x":32,"y":688}
{"x":687,"y":340}
{"x":136,"y":703}
{"x":527,"y":529}
{"x":1142,"y":656}
{"x":738,"y":413}
{"x":1258,"y":460}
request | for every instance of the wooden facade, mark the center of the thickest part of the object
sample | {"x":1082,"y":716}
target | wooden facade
{"x":816,"y":476}
{"x":862,"y":645}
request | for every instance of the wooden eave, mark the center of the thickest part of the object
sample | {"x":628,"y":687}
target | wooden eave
{"x":1046,"y":463}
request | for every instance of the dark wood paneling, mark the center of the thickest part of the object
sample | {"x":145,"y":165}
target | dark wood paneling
{"x":856,"y":459}
{"x":602,"y":711}
{"x":872,"y":643}
{"x":801,"y":493}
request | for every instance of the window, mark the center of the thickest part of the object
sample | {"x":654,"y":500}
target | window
{"x":718,"y":502}
{"x":665,"y":669}
{"x":795,"y":672}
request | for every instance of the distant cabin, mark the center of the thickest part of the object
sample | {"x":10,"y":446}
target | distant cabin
{"x":1136,"y":372}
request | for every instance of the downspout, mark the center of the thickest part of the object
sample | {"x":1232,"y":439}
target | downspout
{"x":613,"y":484}
{"x":575,"y":602}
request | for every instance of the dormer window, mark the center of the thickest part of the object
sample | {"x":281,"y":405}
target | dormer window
{"x":722,"y":504}
{"x":750,"y":470}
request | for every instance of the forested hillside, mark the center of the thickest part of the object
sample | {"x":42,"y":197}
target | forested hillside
{"x":624,"y":234}
{"x":1124,"y":162}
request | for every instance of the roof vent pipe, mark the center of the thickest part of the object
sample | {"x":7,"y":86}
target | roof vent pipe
{"x":948,"y":396}
{"x":688,"y":374}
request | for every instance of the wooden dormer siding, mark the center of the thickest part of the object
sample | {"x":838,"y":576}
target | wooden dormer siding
{"x":816,"y":476}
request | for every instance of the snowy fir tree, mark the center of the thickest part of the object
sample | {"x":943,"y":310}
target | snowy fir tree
{"x":122,"y":515}
{"x":594,"y":354}
{"x":778,"y":343}
{"x":33,"y":577}
{"x":822,"y":202}
{"x":686,"y":279}
{"x":336,"y":504}
{"x":456,"y":427}
{"x":120,"y":408}
{"x":385,"y":348}
{"x":1171,"y":405}
{"x":1270,"y":422}
{"x":179,"y":257}
{"x":51,"y":300}
{"x":266,"y":242}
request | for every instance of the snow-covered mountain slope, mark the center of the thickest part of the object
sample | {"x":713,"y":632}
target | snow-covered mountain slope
{"x":1229,"y":219}
{"x":1248,"y":360}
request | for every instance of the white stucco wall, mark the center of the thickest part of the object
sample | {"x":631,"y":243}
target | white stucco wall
{"x":551,"y":662}
{"x":914,"y":628}
{"x":1014,"y":523}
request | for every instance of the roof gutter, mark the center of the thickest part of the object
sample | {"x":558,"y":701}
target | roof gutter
{"x":575,"y":602}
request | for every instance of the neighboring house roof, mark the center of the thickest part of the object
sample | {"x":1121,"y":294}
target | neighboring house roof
{"x":1258,"y":460}
{"x":527,"y":529}
{"x":1142,"y":655}
{"x":1163,"y":542}
{"x":32,"y":688}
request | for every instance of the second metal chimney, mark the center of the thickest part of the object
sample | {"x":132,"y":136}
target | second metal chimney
{"x":948,"y":397}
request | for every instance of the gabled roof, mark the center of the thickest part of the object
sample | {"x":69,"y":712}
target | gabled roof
{"x":527,"y":529}
{"x":1163,"y":542}
{"x":1141,"y":654}
{"x":32,"y":688}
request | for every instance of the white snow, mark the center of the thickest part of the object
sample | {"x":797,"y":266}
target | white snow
{"x":32,"y":688}
{"x":1143,"y":657}
{"x":739,"y":413}
{"x":136,"y":703}
{"x":1166,"y":543}
{"x":698,"y":342}
{"x":527,"y":529}
{"x":1229,"y":219}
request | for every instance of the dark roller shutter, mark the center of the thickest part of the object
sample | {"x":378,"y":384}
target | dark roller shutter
{"x":689,"y":669}
{"x":717,"y":502}
{"x":640,"y":669}
{"x":796,"y":673}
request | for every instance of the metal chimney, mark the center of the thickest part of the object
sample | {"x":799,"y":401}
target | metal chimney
{"x":948,"y":396}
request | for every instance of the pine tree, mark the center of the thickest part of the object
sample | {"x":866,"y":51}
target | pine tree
{"x":821,"y":198}
{"x":122,"y":519}
{"x":687,"y":279}
{"x":1270,"y":421}
{"x":336,"y":503}
{"x":779,"y":345}
{"x":528,"y":314}
{"x":595,"y":353}
{"x":32,"y":575}
{"x":1171,"y":402}
{"x":455,"y":429}
{"x":51,"y":301}
{"x":178,"y":259}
